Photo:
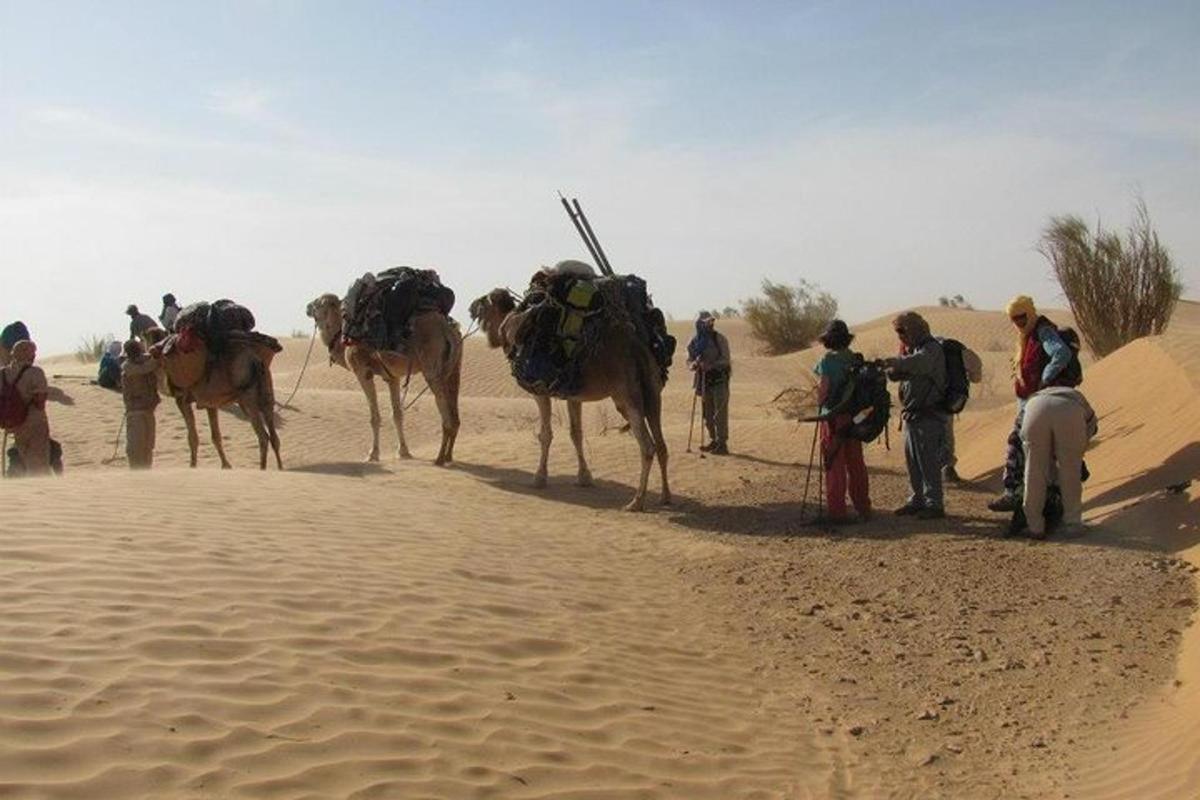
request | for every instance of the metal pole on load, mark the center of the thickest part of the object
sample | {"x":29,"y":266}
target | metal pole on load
{"x":605,"y":267}
{"x":592,"y":245}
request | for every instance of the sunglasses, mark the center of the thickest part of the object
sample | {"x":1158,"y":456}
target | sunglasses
{"x":1020,"y":319}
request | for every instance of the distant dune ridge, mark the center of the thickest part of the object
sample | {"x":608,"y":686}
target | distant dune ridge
{"x":397,"y":630}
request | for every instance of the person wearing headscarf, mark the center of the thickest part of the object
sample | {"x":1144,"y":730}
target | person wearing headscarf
{"x":13,"y":332}
{"x":1041,"y":356}
{"x":709,"y":358}
{"x":32,"y":435}
{"x":921,"y":371}
{"x":170,"y":311}
{"x":139,"y":323}
{"x":842,"y":456}
{"x":139,"y":388}
{"x":109,"y":374}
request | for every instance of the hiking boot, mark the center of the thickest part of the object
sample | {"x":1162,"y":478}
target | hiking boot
{"x":1006,"y":502}
{"x":1017,"y":524}
{"x":931,"y":513}
{"x":707,"y":448}
{"x":1037,"y":535}
{"x":950,"y":475}
{"x":906,"y":510}
{"x":719,"y":449}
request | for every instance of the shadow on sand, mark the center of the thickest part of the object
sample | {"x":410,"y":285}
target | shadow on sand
{"x":344,"y":469}
{"x":602,"y":495}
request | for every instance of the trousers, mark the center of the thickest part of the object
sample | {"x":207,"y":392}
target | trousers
{"x":924,"y":436}
{"x":139,"y":438}
{"x":844,"y":469}
{"x":1054,"y":435}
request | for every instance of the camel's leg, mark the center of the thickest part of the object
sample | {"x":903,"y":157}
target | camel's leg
{"x":254,"y":414}
{"x":447,"y":400}
{"x":637,"y":425}
{"x":266,"y":403}
{"x":654,"y":418}
{"x":545,"y":436}
{"x":214,"y":427}
{"x":393,"y":385}
{"x":575,"y":413}
{"x":193,"y":435}
{"x":274,"y":436}
{"x":367,"y":382}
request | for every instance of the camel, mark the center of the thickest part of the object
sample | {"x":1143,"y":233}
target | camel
{"x":621,"y":368}
{"x":434,"y":351}
{"x":240,"y":376}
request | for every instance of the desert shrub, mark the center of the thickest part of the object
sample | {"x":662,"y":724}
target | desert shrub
{"x":91,"y":348}
{"x":798,"y":402}
{"x":730,"y":311}
{"x":958,"y":301}
{"x":1119,"y":289}
{"x":788,"y":318}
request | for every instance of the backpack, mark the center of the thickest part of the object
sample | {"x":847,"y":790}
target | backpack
{"x":13,"y":408}
{"x":958,"y":385}
{"x":1072,"y":374}
{"x":867,"y":400}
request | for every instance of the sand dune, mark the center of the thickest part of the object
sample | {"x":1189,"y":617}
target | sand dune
{"x":398,"y":630}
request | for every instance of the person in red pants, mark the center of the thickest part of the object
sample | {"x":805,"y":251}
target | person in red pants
{"x":841,"y":455}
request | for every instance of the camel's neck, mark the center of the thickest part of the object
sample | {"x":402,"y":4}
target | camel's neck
{"x":332,"y":339}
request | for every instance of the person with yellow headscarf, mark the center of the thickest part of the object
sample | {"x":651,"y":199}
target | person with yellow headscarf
{"x":1040,"y":359}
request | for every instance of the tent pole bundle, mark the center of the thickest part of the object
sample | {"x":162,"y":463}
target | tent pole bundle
{"x":580,"y":220}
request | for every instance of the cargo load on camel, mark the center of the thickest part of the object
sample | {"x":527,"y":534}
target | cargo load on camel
{"x":219,"y":325}
{"x":562,"y":320}
{"x":379,"y":307}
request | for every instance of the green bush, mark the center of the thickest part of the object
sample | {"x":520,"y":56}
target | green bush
{"x":788,"y":318}
{"x":91,"y":348}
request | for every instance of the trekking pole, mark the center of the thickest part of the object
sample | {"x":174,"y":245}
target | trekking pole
{"x":117,"y":441}
{"x":691,"y":427}
{"x":4,"y":458}
{"x":808,"y":475}
{"x":704,"y":422}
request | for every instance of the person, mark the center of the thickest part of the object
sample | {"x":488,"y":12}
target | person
{"x":1058,"y":424}
{"x":709,"y":358}
{"x":921,"y":371}
{"x":170,"y":311}
{"x":974,"y":366}
{"x":109,"y":374}
{"x":1040,"y":359}
{"x":31,"y":435}
{"x":139,"y":323}
{"x":139,"y":388}
{"x":13,"y":332}
{"x":841,"y":455}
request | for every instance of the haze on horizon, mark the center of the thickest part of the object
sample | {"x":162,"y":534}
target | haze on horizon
{"x":270,"y":150}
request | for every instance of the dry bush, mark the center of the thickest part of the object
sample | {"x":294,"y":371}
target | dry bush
{"x":957,"y":301}
{"x":1118,"y":289}
{"x":798,"y":402}
{"x":788,"y":318}
{"x":91,"y":348}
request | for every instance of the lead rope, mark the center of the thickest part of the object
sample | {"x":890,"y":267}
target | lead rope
{"x":470,"y":332}
{"x":300,"y":377}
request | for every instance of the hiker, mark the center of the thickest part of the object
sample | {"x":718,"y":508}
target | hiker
{"x":1040,"y":360}
{"x":139,"y":388}
{"x":23,"y":392}
{"x":1057,"y":426}
{"x":109,"y":374}
{"x":974,"y":366}
{"x":921,"y":371}
{"x":842,"y":456}
{"x":708,"y":357}
{"x":170,"y":311}
{"x":13,"y":332}
{"x":139,"y":323}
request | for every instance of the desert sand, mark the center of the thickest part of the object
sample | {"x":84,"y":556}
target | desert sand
{"x":398,"y":630}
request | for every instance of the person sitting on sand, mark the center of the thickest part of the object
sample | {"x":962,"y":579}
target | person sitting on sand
{"x":139,"y":323}
{"x":1057,"y":426}
{"x":139,"y":388}
{"x":1041,"y":357}
{"x":921,"y":371}
{"x":841,"y":455}
{"x":709,"y":358}
{"x":109,"y":374}
{"x":31,"y":434}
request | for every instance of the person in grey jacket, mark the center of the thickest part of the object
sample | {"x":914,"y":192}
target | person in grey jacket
{"x":921,"y":370}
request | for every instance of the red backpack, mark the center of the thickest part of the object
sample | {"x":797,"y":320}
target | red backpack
{"x":13,"y":407}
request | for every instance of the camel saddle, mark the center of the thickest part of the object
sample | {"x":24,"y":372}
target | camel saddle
{"x":379,"y":307}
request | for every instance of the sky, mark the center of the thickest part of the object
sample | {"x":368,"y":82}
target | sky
{"x":269,"y":151}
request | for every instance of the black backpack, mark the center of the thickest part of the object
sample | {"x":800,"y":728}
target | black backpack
{"x":958,"y":386}
{"x":1072,"y":374}
{"x":866,"y":399}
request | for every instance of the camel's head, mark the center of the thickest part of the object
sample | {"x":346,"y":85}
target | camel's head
{"x":326,"y":311}
{"x":490,"y":310}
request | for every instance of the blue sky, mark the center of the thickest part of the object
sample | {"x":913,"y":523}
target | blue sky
{"x":271,"y":150}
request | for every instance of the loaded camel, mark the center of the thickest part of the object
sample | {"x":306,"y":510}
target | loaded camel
{"x":240,"y":374}
{"x":621,"y":367}
{"x":434,"y":351}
